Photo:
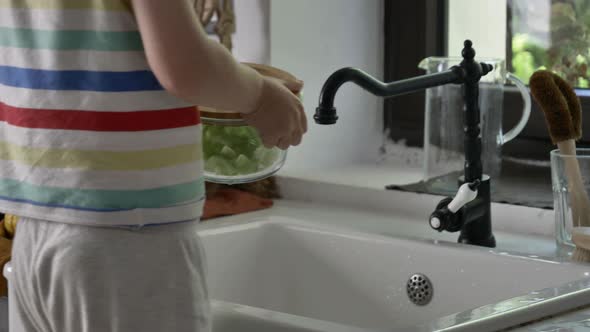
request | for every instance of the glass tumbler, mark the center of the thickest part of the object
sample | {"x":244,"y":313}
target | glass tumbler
{"x":564,"y":193}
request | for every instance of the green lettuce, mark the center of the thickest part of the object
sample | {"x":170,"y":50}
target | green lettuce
{"x":235,"y":150}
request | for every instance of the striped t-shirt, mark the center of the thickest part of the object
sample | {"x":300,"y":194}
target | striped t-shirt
{"x":87,"y":134}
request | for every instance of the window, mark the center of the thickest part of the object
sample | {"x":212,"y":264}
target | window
{"x":550,"y":34}
{"x":529,"y":34}
{"x":413,"y":30}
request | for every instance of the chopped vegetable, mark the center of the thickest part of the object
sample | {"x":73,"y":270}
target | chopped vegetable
{"x":235,"y":150}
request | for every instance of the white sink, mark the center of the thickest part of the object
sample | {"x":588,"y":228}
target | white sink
{"x":284,"y":274}
{"x":286,"y":266}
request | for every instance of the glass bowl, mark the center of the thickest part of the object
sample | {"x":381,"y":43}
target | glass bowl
{"x":233,"y":152}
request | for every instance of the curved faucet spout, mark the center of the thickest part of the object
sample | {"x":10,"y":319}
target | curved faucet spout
{"x":326,"y":112}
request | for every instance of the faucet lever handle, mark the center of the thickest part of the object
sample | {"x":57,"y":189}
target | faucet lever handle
{"x":466,"y":194}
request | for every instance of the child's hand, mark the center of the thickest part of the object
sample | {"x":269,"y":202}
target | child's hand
{"x":293,"y":85}
{"x":284,"y":78}
{"x":280,"y":119}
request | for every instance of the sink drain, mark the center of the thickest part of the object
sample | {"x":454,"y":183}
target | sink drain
{"x":420,"y":289}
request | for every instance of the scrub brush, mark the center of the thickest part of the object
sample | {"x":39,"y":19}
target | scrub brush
{"x":563,"y":115}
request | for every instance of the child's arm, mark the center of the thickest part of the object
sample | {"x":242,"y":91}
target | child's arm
{"x":201,"y":71}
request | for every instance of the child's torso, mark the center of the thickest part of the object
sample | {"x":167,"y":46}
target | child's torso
{"x":87,"y":134}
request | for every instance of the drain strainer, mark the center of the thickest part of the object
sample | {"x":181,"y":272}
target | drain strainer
{"x":420,"y":289}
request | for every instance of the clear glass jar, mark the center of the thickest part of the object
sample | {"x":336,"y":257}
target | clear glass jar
{"x":444,"y":146}
{"x":233,"y":151}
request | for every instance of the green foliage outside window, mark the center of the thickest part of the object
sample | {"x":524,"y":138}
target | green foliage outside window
{"x":569,"y":53}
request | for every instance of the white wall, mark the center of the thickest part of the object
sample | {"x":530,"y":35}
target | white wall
{"x":312,"y":39}
{"x":252,"y":37}
{"x":482,"y":21}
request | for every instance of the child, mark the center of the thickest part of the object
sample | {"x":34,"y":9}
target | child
{"x":101,"y":158}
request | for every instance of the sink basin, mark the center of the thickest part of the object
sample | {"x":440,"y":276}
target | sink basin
{"x":357,"y":279}
{"x":283,"y":274}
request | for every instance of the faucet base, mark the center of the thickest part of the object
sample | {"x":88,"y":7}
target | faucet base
{"x":477,"y":217}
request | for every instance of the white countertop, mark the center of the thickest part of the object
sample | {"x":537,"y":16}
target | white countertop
{"x":362,"y":175}
{"x":399,"y":165}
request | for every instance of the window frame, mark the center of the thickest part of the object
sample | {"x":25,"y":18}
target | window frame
{"x":417,"y":29}
{"x":413,"y":30}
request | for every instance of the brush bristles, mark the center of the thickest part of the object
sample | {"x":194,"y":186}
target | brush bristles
{"x":560,"y":104}
{"x":581,"y":255}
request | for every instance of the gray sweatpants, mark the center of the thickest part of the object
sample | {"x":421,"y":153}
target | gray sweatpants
{"x":70,"y":278}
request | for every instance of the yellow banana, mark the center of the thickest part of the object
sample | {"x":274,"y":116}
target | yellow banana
{"x":10,"y":222}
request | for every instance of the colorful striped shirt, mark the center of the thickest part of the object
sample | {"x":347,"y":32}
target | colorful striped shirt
{"x":87,"y":134}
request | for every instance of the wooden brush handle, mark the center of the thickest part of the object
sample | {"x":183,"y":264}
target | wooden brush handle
{"x":579,"y":201}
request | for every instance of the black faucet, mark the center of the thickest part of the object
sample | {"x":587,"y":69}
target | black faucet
{"x":473,"y":216}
